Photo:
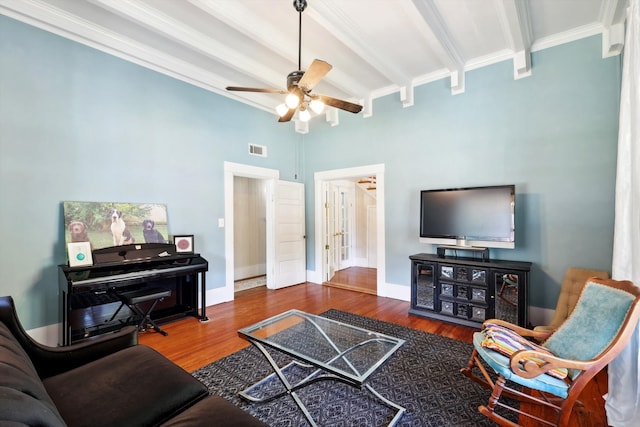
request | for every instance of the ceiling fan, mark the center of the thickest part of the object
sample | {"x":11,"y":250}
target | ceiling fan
{"x":300,"y":83}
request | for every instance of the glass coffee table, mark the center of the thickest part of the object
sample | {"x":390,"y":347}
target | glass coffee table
{"x":333,"y":350}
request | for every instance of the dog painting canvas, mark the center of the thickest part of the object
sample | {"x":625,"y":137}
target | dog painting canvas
{"x":106,"y":224}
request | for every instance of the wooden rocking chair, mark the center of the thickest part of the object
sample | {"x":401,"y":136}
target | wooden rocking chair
{"x":599,"y":327}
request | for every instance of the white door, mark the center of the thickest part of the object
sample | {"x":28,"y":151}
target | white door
{"x":344,"y":223}
{"x":289,"y":261}
{"x":339,"y":217}
{"x":336,"y":236}
{"x":372,"y":242}
{"x":329,"y":246}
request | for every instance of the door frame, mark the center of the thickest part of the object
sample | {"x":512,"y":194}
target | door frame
{"x":232,"y":170}
{"x":320,"y":179}
{"x":370,"y":212}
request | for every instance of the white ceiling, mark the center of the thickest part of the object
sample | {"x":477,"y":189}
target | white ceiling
{"x":376,"y":47}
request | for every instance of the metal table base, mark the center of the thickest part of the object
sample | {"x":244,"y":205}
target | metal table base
{"x":315,"y":376}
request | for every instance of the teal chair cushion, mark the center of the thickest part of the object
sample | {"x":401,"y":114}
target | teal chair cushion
{"x":594,"y":323}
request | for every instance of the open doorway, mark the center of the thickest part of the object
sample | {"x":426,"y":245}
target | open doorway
{"x":351,"y":233}
{"x":350,"y":228}
{"x":231,"y":172}
{"x":250,"y":232}
{"x":285,"y":229}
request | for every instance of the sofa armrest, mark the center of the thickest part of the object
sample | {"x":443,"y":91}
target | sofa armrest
{"x":214,"y":411}
{"x":50,"y":361}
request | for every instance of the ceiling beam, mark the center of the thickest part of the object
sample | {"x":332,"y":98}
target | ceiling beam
{"x":612,"y":17}
{"x":329,"y":15}
{"x":167,"y":26}
{"x":43,"y":15}
{"x":434,"y":28}
{"x":515,"y":19}
{"x":239,"y":16}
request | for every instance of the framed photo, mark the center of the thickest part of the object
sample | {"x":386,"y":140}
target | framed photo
{"x":79,"y":254}
{"x":184,"y":243}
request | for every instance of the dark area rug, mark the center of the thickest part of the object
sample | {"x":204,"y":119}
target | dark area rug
{"x":423,"y":376}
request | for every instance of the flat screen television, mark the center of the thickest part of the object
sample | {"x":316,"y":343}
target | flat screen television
{"x":476,"y":216}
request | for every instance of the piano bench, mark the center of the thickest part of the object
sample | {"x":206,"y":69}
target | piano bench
{"x":133,"y":299}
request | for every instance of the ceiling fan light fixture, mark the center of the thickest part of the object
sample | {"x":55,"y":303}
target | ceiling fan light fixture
{"x":292,"y":101}
{"x":300,"y":83}
{"x":317,"y":106}
{"x":282,"y":110}
{"x":304,"y":115}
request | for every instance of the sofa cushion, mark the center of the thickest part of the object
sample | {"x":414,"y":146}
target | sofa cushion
{"x":23,"y":397}
{"x":214,"y":411}
{"x":133,"y":387}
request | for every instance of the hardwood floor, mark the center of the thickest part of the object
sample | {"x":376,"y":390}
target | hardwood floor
{"x":193,"y":344}
{"x":359,"y":279}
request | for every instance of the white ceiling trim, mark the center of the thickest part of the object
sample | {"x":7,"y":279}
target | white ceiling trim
{"x":572,"y":35}
{"x":256,"y":46}
{"x":612,"y":40}
{"x":612,"y":16}
{"x":332,"y":117}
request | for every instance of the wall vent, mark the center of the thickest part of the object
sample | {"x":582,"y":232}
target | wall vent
{"x":257,"y":150}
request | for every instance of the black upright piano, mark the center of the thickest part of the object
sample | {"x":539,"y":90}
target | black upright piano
{"x":90,"y":293}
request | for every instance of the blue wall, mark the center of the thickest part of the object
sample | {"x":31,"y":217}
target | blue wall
{"x":78,"y":124}
{"x":553,"y":135}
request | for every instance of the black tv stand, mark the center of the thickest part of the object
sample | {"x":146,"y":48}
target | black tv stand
{"x":484,"y":252}
{"x":468,"y":291}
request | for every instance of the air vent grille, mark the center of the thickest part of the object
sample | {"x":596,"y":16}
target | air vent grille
{"x":257,"y":150}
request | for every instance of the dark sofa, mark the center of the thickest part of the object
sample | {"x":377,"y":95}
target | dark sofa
{"x":111,"y":381}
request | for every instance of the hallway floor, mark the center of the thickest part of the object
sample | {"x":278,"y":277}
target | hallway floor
{"x":249,"y":283}
{"x":359,"y":279}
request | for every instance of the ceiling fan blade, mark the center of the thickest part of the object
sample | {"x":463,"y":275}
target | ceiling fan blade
{"x":288,"y":115}
{"x":316,"y":71}
{"x":255,"y":89}
{"x":343,"y":105}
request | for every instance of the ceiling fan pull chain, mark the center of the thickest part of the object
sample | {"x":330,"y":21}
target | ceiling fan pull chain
{"x":300,"y":6}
